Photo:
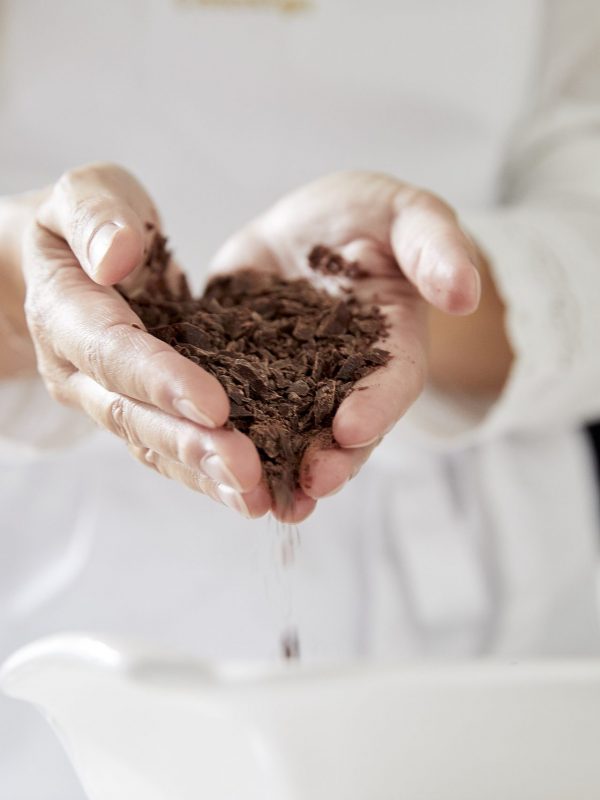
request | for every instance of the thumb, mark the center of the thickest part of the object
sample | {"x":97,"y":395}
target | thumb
{"x":435,"y":254}
{"x":105,"y":216}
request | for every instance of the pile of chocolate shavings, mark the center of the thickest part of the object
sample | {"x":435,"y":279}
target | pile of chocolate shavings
{"x":286,"y":353}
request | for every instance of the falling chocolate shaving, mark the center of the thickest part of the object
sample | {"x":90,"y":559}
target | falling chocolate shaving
{"x":286,"y":353}
{"x":290,"y":645}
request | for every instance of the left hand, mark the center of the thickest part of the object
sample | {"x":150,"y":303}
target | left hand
{"x":411,"y":244}
{"x":94,"y":228}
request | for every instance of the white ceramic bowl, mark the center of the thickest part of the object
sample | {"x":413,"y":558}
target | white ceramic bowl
{"x":142,"y":725}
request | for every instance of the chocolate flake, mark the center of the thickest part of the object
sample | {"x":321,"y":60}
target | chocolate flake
{"x":286,"y":353}
{"x":326,"y":261}
{"x":290,"y":645}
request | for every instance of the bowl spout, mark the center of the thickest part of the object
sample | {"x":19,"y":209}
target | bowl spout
{"x":139,"y":726}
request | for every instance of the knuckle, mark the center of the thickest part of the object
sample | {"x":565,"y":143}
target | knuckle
{"x":70,"y":183}
{"x":58,"y":390}
{"x":151,"y":457}
{"x":188,"y":447}
{"x":78,"y":189}
{"x":95,"y":170}
{"x":92,"y":354}
{"x":83,"y":214}
{"x":102,"y":352}
{"x":162,"y":357}
{"x":35,"y":314}
{"x":203,"y":485}
{"x":107,"y":168}
{"x":434,"y":204}
{"x":57,"y":378}
{"x":137,"y":452}
{"x":118,"y":419}
{"x":40,"y":309}
{"x":108,"y":171}
{"x":159,"y":464}
{"x":65,"y":183}
{"x":147,"y":457}
{"x":86,"y":189}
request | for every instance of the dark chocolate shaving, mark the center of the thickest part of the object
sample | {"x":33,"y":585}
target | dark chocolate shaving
{"x":286,"y":352}
{"x":290,"y":645}
{"x":326,"y":261}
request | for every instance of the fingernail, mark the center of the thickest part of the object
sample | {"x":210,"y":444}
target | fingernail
{"x":368,"y":443}
{"x":214,"y":467}
{"x":232,"y":499}
{"x":100,"y":243}
{"x":188,"y":410}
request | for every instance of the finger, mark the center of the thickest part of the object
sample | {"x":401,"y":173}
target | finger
{"x":226,"y":456}
{"x":252,"y":504}
{"x":94,"y":329}
{"x":326,"y":472}
{"x":379,"y":400}
{"x":300,"y":507}
{"x":103,"y":213}
{"x":435,"y":253}
{"x":247,"y":248}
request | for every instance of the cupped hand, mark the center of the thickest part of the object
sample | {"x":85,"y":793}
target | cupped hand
{"x":92,"y":231}
{"x":414,"y":251}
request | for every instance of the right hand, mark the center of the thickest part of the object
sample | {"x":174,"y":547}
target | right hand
{"x":88,"y":233}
